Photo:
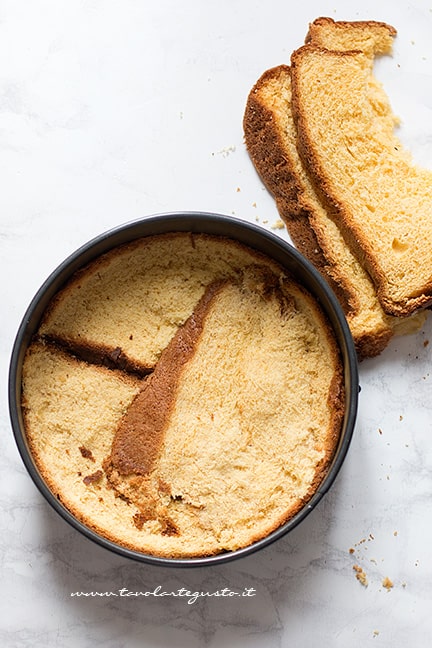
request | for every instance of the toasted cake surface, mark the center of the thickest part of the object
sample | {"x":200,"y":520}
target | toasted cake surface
{"x":245,"y":404}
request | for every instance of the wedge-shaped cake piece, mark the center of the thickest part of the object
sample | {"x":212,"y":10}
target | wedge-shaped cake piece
{"x":382,"y":200}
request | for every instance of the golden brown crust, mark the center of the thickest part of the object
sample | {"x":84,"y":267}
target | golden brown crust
{"x":315,"y":28}
{"x":309,"y":154}
{"x":268,"y":152}
{"x":305,"y":240}
{"x":264,"y":146}
{"x":99,"y":354}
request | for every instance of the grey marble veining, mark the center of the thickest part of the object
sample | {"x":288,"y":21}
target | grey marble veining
{"x":111,"y":111}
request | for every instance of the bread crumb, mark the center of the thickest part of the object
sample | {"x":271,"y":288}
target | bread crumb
{"x":425,"y":343}
{"x":395,"y":533}
{"x":238,"y":189}
{"x":351,"y":550}
{"x":387,"y":583}
{"x":379,"y":430}
{"x":226,"y":151}
{"x":375,"y":633}
{"x":360,"y":575}
{"x":254,"y":204}
{"x":278,"y":225}
{"x":400,"y":417}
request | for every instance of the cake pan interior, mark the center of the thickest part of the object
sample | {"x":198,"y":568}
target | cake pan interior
{"x":206,"y":223}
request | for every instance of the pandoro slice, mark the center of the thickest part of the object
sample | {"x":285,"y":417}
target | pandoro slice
{"x":271,"y":140}
{"x":382,"y":201}
{"x":71,"y":410}
{"x":122,"y":309}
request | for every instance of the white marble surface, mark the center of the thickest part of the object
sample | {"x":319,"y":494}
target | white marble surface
{"x":112,"y":110}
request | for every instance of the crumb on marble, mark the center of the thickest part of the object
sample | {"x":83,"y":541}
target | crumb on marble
{"x":360,"y":575}
{"x":375,"y":633}
{"x":425,"y":343}
{"x":387,"y":583}
{"x":226,"y":150}
{"x":278,"y":225}
{"x":351,"y":550}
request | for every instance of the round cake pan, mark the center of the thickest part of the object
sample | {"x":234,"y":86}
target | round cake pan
{"x":198,"y":222}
